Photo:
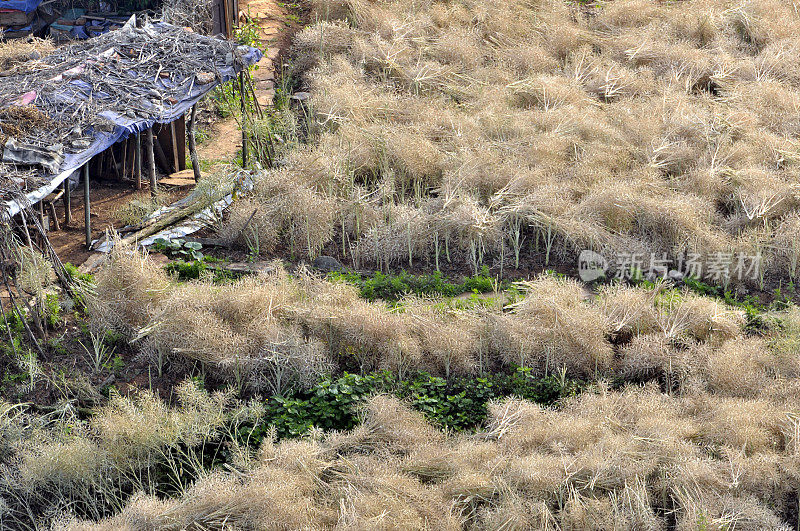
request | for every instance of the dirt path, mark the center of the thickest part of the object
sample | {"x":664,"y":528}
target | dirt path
{"x":277,"y":21}
{"x":224,"y":141}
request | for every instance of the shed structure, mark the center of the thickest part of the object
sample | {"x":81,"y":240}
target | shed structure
{"x":58,"y":112}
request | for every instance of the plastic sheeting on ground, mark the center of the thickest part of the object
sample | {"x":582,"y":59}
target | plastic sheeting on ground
{"x":204,"y":218}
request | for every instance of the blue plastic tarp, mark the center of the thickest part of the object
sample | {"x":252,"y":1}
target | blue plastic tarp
{"x":126,"y":126}
{"x":20,"y":5}
{"x":26,"y":28}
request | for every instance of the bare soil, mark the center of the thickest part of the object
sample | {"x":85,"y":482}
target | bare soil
{"x":107,"y":197}
{"x":224,"y":142}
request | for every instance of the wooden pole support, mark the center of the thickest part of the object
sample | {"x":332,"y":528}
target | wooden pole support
{"x":52,"y":208}
{"x":163,"y":161}
{"x":114,"y":166}
{"x":87,"y":209}
{"x":151,"y":162}
{"x":176,"y":164}
{"x":125,"y":167}
{"x":192,"y":143}
{"x":138,"y":155}
{"x":243,"y":97}
{"x":67,"y":203}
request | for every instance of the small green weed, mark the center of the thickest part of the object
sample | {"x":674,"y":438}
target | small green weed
{"x":391,"y":288}
{"x":178,"y":248}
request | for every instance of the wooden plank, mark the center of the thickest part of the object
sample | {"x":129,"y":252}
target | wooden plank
{"x":176,"y":166}
{"x":231,"y":16}
{"x":162,"y":139}
{"x":180,"y":135}
{"x":216,"y":16}
{"x":226,"y":10}
{"x":180,"y":179}
{"x":166,"y":158}
{"x":16,"y":18}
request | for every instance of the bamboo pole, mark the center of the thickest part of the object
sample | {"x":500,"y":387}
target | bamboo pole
{"x":243,"y":97}
{"x":125,"y":159}
{"x":114,"y":166}
{"x":138,"y":155}
{"x":192,"y":143}
{"x":87,"y":220}
{"x":176,"y":163}
{"x":151,"y":162}
{"x":41,"y":212}
{"x":67,"y":203}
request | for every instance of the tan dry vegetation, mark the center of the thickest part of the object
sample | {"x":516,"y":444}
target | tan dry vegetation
{"x":463,"y":130}
{"x":16,"y":52}
{"x":453,"y":130}
{"x":704,"y":431}
{"x":276,"y":331}
{"x":606,"y":460}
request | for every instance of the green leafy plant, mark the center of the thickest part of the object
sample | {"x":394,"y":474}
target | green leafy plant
{"x":115,"y":364}
{"x":179,"y":248}
{"x":458,"y":404}
{"x":248,"y":33}
{"x":51,"y":310}
{"x":391,"y":288}
{"x":186,"y":270}
{"x":226,"y":99}
{"x":197,"y":269}
{"x":75,"y":275}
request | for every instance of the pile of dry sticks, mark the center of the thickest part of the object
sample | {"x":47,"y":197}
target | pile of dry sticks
{"x":135,"y":74}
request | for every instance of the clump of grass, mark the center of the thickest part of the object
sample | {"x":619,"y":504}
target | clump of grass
{"x":127,"y":292}
{"x":556,"y":140}
{"x":19,"y":52}
{"x":624,"y":450}
{"x":138,"y":209}
{"x":281,"y":208}
{"x":563,"y":330}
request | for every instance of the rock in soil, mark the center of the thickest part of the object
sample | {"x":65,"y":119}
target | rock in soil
{"x":327,"y":264}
